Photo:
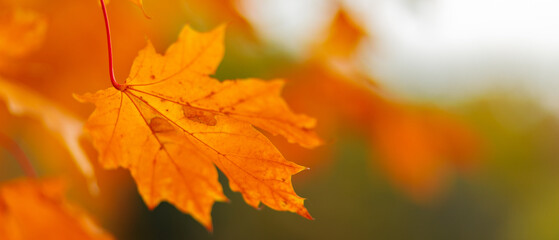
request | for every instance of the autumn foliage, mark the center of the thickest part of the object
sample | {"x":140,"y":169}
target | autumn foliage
{"x":173,"y":125}
{"x":185,"y":122}
{"x":417,"y":145}
{"x":23,"y":200}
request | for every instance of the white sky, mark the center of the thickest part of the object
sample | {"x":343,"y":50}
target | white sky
{"x":438,"y":49}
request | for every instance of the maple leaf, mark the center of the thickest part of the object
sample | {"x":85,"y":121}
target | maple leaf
{"x":33,"y":209}
{"x":65,"y":126}
{"x":171,"y":123}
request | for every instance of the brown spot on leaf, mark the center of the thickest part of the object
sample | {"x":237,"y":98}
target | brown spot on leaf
{"x":160,"y":125}
{"x":199,"y":116}
{"x":283,"y":202}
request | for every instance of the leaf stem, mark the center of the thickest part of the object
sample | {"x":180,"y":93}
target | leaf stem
{"x":120,"y":87}
{"x":18,"y":153}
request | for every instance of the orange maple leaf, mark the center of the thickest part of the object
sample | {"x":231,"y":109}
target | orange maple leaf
{"x":171,"y":122}
{"x":33,"y":209}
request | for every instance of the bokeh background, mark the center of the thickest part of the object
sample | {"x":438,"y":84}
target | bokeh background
{"x":440,"y":117}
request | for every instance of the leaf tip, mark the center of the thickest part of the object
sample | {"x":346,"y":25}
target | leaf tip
{"x":210,"y":228}
{"x":206,"y":221}
{"x":304,"y":213}
{"x":151,"y":206}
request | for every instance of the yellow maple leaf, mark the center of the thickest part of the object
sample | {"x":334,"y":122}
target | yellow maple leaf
{"x":170,"y":123}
